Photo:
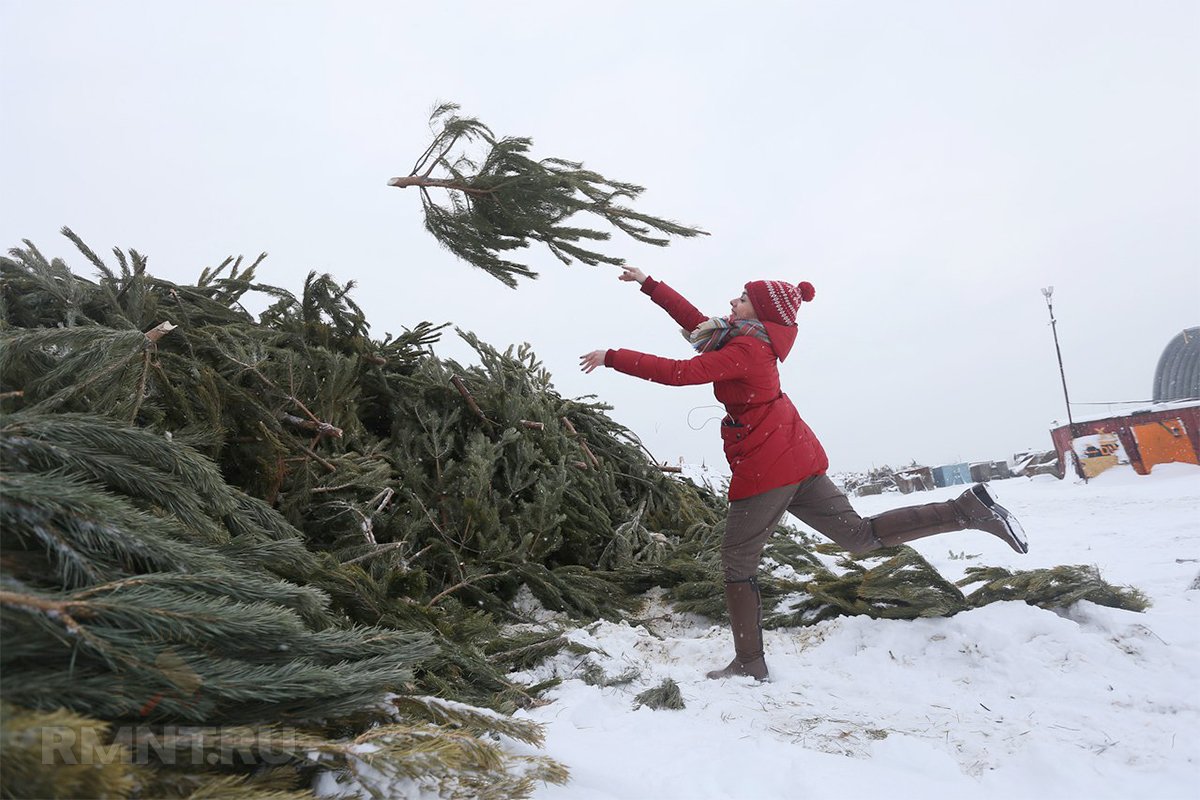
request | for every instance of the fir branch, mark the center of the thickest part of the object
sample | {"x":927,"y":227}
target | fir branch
{"x":461,"y":585}
{"x":665,"y":695}
{"x":446,"y":712}
{"x":1055,"y":587}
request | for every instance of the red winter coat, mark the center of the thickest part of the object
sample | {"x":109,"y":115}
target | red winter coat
{"x":766,"y":443}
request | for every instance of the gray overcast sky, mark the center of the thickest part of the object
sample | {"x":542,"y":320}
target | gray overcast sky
{"x":928,"y":166}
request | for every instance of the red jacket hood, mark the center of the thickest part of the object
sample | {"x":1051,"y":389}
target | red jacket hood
{"x":782,"y":338}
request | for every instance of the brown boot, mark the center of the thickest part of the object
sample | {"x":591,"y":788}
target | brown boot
{"x":745,"y":618}
{"x":974,"y":508}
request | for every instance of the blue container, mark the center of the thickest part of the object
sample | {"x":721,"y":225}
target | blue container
{"x":952,"y":474}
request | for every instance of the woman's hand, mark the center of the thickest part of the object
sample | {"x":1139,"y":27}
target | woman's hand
{"x":632,"y":274}
{"x":594,"y":359}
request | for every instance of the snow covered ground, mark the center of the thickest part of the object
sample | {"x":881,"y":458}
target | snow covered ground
{"x":1007,"y":701}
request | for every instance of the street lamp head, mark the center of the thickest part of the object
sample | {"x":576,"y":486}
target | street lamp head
{"x":1049,"y":290}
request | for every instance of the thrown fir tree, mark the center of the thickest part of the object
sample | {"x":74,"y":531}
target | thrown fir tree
{"x":504,"y":199}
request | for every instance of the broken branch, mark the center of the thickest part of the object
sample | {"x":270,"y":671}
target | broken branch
{"x":319,"y":427}
{"x":582,"y":443}
{"x":471,"y":404}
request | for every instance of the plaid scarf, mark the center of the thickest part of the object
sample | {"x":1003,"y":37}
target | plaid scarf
{"x":715,"y":332}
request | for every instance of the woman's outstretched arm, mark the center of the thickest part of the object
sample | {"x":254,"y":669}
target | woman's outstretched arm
{"x":683,"y":312}
{"x":731,"y":361}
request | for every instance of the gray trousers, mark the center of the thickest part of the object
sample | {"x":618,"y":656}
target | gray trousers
{"x":817,"y":502}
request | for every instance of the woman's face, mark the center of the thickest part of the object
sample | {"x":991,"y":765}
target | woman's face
{"x":742,"y":308}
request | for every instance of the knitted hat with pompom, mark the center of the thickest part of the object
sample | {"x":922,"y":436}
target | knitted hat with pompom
{"x":779,"y":302}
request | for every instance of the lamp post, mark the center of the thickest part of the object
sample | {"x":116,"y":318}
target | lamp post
{"x":1048,"y":293}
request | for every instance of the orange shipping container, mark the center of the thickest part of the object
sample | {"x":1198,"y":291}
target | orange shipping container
{"x":1163,"y":442}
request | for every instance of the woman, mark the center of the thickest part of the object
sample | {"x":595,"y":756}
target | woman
{"x":777,"y":463}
